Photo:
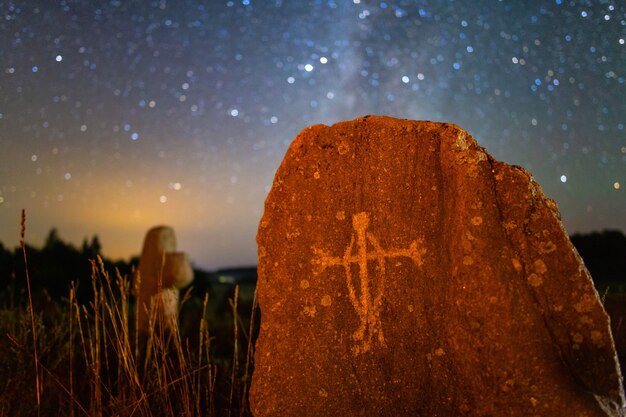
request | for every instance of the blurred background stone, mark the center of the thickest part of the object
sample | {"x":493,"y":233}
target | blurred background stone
{"x":162,"y":272}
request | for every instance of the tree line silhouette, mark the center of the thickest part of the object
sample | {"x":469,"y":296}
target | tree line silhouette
{"x":54,"y":267}
{"x":604,"y":254}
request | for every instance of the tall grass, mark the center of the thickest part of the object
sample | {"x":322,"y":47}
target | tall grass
{"x":32,"y":313}
{"x":91,"y":359}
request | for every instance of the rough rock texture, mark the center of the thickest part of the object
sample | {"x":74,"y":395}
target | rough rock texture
{"x":405,"y":272}
{"x":162,"y":271}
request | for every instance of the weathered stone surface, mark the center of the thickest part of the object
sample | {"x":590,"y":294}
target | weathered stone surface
{"x":162,"y":272}
{"x":405,"y":272}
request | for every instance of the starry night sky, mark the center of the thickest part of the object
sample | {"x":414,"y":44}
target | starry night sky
{"x":116,"y":116}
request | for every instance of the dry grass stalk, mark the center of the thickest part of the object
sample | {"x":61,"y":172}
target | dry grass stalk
{"x":233,"y":303}
{"x":71,"y":351}
{"x":32,"y":312}
{"x":249,"y":356}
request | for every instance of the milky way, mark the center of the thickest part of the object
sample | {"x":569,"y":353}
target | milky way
{"x":116,"y":116}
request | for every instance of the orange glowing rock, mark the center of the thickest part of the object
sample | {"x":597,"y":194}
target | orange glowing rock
{"x":405,"y":272}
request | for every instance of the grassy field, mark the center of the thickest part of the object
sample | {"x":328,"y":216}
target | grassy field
{"x":63,"y":358}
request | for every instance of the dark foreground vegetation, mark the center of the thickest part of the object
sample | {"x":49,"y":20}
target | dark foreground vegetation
{"x":78,"y":352}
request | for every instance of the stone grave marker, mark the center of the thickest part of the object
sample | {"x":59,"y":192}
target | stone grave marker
{"x":405,"y":272}
{"x":163,"y":271}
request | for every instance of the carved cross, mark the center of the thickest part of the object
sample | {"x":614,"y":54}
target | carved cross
{"x":367,"y":302}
